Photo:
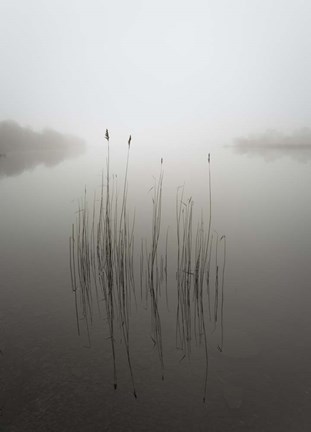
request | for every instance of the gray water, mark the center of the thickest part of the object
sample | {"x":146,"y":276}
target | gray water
{"x":51,"y":380}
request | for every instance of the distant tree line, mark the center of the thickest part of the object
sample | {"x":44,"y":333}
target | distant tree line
{"x":15,"y":138}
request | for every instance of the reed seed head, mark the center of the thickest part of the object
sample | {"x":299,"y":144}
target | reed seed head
{"x":107,"y":135}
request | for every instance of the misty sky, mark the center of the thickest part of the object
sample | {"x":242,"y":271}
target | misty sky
{"x":200,"y":70}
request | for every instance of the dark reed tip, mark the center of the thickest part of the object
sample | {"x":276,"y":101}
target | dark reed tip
{"x":162,"y":377}
{"x":161,"y":161}
{"x":129,"y":141}
{"x":209,"y":158}
{"x":204,"y":399}
{"x":219,"y":348}
{"x":135,"y":394}
{"x":115,"y":386}
{"x":107,"y":135}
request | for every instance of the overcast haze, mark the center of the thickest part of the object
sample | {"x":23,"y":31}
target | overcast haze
{"x":212,"y":69}
{"x":184,"y":282}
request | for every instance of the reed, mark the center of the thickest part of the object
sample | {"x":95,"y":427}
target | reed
{"x":221,"y":345}
{"x":156,"y":332}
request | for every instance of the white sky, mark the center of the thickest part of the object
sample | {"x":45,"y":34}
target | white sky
{"x":209,"y":70}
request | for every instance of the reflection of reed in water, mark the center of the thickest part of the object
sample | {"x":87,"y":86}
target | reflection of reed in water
{"x":102,"y":269}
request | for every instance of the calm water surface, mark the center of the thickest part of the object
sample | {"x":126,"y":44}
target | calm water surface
{"x":52,"y":381}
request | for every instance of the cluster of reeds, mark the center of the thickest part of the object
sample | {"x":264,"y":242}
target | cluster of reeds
{"x":198,"y":305}
{"x":102,"y":268}
{"x":101,"y":261}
